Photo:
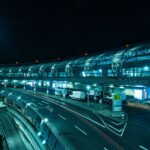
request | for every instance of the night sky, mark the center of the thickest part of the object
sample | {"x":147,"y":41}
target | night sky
{"x":46,"y":30}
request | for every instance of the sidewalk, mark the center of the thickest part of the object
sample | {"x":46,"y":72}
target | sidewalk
{"x":100,"y":109}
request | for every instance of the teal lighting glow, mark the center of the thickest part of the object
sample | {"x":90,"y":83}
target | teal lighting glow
{"x":44,"y":142}
{"x":28,"y":104}
{"x":18,"y":97}
{"x":88,"y":87}
{"x":111,"y":86}
{"x":9,"y":94}
{"x":45,"y":120}
{"x":146,"y":68}
{"x":83,"y":74}
{"x":121,"y":87}
{"x":100,"y":70}
{"x":39,"y":133}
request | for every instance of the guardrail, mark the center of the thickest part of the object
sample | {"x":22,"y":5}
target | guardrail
{"x":2,"y":132}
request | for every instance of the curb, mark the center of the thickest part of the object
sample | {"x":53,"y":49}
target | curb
{"x":139,"y":106}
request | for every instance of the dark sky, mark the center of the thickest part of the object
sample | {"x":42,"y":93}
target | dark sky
{"x":45,"y":30}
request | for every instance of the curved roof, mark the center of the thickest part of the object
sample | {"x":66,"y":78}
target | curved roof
{"x":124,"y":54}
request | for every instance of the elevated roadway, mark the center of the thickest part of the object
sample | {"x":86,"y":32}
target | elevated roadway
{"x":82,"y":129}
{"x":12,"y":136}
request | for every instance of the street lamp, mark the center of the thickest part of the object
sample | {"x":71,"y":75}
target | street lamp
{"x":47,"y":88}
{"x":44,"y":120}
{"x":2,"y":91}
{"x":47,"y":91}
{"x":121,"y":87}
{"x":44,"y":142}
{"x":5,"y":85}
{"x":9,"y":94}
{"x":51,"y":109}
{"x":39,"y":133}
{"x":88,"y":87}
{"x":34,"y":89}
{"x":111,"y":86}
{"x":18,"y":98}
{"x":28,"y":104}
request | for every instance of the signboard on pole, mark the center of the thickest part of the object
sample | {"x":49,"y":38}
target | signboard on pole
{"x":117,"y":102}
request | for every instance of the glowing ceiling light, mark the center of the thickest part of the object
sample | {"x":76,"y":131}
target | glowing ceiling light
{"x":111,"y":86}
{"x":146,"y":68}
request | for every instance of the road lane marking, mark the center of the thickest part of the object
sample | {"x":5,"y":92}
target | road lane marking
{"x":142,"y":147}
{"x":48,"y":106}
{"x":45,"y":102}
{"x":114,"y":128}
{"x":34,"y":104}
{"x":109,"y":127}
{"x":80,"y":130}
{"x":61,"y":116}
{"x":82,"y":116}
{"x":124,"y":129}
{"x":40,"y":104}
{"x":54,"y":102}
{"x":117,"y":124}
{"x":62,"y":103}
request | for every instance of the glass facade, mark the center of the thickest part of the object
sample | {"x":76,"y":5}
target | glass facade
{"x":127,"y":62}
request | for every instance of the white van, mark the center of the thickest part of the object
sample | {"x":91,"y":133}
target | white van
{"x":80,"y":95}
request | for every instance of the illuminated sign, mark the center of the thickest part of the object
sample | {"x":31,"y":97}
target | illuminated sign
{"x":117,"y":102}
{"x":138,"y":94}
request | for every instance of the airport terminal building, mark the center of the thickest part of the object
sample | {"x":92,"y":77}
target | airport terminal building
{"x":126,"y":69}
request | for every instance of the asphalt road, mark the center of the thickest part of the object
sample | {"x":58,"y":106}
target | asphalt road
{"x":138,"y":129}
{"x":80,"y":132}
{"x":12,"y":136}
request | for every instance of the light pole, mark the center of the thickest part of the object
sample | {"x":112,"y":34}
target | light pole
{"x":9,"y":94}
{"x":18,"y":98}
{"x":51,"y":109}
{"x":5,"y":85}
{"x":34,"y":88}
{"x":28,"y":104}
{"x":45,"y":120}
{"x":88,"y":87}
{"x":47,"y":88}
